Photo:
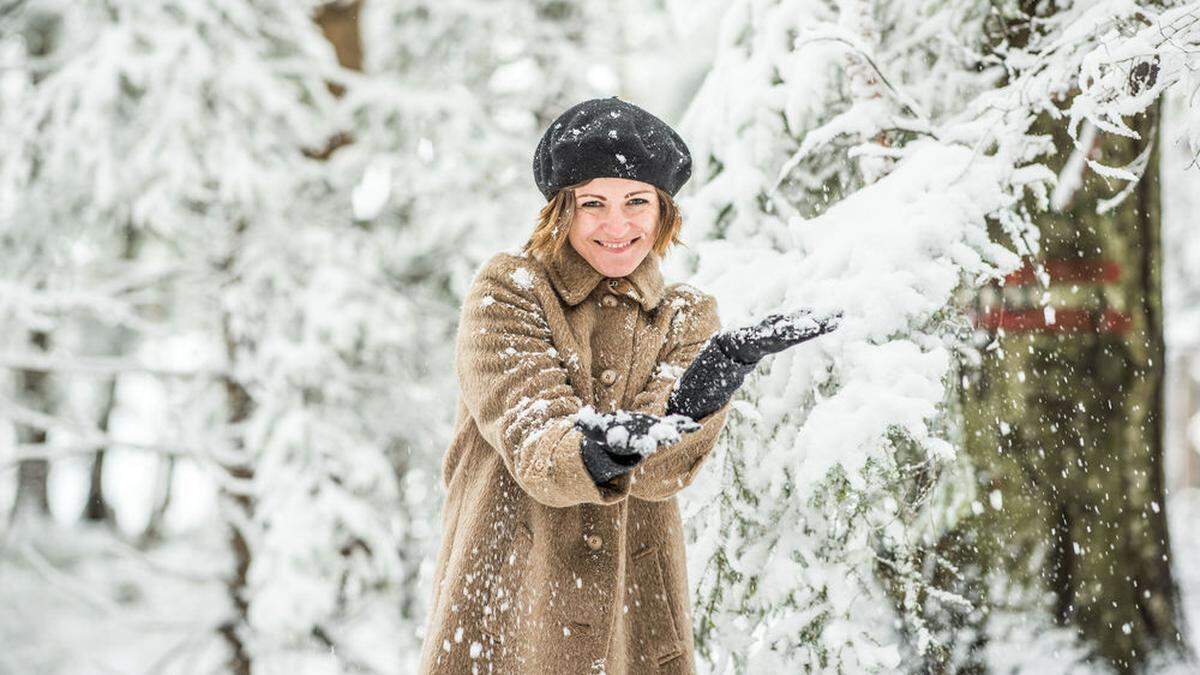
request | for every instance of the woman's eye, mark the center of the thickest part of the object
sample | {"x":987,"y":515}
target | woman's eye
{"x":591,"y":203}
{"x":638,"y":201}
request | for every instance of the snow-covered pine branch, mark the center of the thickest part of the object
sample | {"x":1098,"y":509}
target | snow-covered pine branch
{"x":853,"y":155}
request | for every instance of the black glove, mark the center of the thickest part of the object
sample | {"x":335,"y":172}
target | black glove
{"x":721,"y":367}
{"x":777,"y":332}
{"x":614,"y":443}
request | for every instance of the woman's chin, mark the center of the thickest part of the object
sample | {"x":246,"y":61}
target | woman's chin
{"x":616,"y":265}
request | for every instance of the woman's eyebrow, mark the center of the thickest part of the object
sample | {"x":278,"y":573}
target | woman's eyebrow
{"x":636,"y":192}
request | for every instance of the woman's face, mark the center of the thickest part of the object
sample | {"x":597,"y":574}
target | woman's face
{"x":614,"y":224}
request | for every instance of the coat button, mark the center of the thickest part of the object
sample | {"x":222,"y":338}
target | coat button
{"x":613,"y":284}
{"x":609,"y":301}
{"x":594,"y":542}
{"x":608,"y":377}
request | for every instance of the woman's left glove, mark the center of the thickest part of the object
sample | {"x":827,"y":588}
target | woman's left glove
{"x":721,"y":367}
{"x":613,"y":443}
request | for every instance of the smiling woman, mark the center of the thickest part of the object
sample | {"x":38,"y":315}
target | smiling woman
{"x":612,"y":222}
{"x":562,"y":542}
{"x":614,"y":232}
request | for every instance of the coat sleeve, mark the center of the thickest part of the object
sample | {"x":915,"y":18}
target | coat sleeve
{"x":519,"y":394}
{"x":674,"y":467}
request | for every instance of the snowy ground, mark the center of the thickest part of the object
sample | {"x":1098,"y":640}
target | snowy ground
{"x":85,"y":603}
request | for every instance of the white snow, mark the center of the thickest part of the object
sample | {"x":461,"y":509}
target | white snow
{"x":522,"y":277}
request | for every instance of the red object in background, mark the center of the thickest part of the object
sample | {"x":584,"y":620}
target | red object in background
{"x":1065,"y":320}
{"x":1085,"y":271}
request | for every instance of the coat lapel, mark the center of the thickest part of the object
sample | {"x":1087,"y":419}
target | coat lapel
{"x":573,"y":277}
{"x":647,"y":282}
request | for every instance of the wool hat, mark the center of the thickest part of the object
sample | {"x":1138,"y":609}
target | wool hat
{"x":610,"y":137}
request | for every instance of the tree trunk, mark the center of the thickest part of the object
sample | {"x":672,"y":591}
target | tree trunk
{"x":1064,"y":418}
{"x":153,"y":533}
{"x":239,"y":406}
{"x":96,"y":508}
{"x":33,"y":496}
{"x":116,"y":341}
{"x":339,"y":24}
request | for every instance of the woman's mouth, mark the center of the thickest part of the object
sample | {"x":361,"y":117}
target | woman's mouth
{"x":616,"y":246}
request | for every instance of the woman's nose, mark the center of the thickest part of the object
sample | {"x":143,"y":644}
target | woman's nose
{"x":616,"y":222}
{"x":617,"y":227}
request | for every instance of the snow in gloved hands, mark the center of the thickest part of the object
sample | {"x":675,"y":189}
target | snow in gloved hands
{"x":629,"y":433}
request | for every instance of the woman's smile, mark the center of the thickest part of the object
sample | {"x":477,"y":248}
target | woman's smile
{"x":618,"y":246}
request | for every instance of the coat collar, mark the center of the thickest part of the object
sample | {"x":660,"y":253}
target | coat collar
{"x":574,"y":278}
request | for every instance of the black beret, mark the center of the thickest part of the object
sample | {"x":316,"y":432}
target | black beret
{"x":610,"y":137}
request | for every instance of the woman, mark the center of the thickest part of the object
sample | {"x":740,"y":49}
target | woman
{"x":562,"y":548}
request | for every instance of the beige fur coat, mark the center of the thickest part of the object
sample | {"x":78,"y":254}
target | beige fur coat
{"x":540,"y":570}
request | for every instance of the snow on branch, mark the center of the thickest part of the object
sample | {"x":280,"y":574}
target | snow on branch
{"x":100,"y":366}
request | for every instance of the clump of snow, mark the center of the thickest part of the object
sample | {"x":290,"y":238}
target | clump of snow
{"x":522,"y":277}
{"x":590,"y":417}
{"x":617,"y":436}
{"x":623,"y":431}
{"x":668,"y":371}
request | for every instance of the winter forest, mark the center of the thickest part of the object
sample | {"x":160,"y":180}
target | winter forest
{"x":235,"y":236}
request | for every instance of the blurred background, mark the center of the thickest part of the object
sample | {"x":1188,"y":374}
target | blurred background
{"x":234,"y":236}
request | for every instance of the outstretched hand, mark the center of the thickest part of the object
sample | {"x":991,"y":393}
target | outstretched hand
{"x":721,"y":367}
{"x":777,"y":332}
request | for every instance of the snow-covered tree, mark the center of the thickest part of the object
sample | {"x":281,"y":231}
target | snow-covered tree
{"x":876,"y":157}
{"x":195,"y":124}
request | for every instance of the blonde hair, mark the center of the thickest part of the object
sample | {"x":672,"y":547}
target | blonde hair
{"x":554,"y":223}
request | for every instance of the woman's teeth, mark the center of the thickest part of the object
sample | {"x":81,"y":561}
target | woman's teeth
{"x":617,"y":246}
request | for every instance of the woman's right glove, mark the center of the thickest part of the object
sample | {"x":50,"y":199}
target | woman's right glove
{"x":613,"y":443}
{"x":721,"y":367}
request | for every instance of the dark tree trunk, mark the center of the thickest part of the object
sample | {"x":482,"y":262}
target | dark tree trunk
{"x":1064,"y":419}
{"x":96,"y":508}
{"x":240,"y":406}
